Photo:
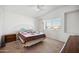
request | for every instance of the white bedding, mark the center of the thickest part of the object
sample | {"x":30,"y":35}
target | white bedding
{"x":30,"y":43}
{"x":29,"y":34}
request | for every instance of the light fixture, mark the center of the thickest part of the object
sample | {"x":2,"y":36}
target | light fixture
{"x":37,"y":8}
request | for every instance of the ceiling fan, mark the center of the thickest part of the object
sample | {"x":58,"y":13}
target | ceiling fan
{"x":39,"y":7}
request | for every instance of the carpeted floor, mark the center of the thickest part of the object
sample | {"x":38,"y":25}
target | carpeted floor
{"x":47,"y":46}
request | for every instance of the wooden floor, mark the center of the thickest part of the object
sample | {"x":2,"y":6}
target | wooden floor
{"x":47,"y":46}
{"x":72,"y":45}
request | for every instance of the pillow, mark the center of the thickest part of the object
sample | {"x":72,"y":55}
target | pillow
{"x":27,"y":30}
{"x":23,"y":30}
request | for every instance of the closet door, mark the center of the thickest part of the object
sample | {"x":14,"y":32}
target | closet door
{"x":72,"y":22}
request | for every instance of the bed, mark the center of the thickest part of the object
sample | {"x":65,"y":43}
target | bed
{"x":29,"y":39}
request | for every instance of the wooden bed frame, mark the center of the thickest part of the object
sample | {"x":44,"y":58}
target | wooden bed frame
{"x":29,"y":41}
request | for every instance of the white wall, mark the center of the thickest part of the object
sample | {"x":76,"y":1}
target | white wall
{"x":1,"y":19}
{"x":14,"y":22}
{"x":39,"y":25}
{"x":58,"y":13}
{"x":1,"y":22}
{"x":11,"y":22}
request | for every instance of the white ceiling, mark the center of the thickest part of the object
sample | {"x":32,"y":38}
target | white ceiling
{"x":30,"y":10}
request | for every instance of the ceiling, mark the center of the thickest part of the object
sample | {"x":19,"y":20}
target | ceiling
{"x":31,"y":10}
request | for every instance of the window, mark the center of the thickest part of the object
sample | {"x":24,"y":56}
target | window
{"x":54,"y":23}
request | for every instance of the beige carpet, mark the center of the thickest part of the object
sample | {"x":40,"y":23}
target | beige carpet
{"x":47,"y":46}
